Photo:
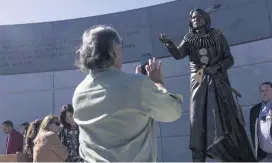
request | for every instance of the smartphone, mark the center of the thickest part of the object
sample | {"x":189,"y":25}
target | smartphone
{"x":144,"y":59}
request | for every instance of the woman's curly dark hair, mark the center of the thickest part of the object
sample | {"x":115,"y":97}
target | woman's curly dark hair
{"x":31,"y":134}
{"x":97,"y":49}
{"x":66,"y":108}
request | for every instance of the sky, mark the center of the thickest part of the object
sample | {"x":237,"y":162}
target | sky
{"x":33,"y":11}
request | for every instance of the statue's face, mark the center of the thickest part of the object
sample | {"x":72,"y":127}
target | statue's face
{"x":197,"y":20}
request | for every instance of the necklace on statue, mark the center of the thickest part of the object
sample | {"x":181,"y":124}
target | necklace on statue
{"x":202,"y":40}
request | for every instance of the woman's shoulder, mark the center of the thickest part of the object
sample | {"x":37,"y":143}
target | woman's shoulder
{"x":48,"y":135}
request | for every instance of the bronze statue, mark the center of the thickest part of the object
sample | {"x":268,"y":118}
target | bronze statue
{"x":216,"y":123}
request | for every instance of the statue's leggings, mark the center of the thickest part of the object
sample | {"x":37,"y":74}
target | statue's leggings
{"x":198,"y":156}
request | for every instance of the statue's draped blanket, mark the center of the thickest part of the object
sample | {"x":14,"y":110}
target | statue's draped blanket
{"x":214,"y":116}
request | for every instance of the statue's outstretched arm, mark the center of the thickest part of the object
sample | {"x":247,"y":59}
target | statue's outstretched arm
{"x":178,"y":52}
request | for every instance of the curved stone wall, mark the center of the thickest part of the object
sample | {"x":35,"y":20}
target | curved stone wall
{"x":42,"y":47}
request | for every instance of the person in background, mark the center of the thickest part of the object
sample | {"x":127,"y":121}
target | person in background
{"x":116,"y":111}
{"x":260,"y":124}
{"x":30,"y":137}
{"x":23,"y":128}
{"x":14,"y":140}
{"x":69,"y":134}
{"x":47,"y":145}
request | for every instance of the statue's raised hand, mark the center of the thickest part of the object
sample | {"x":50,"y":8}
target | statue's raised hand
{"x":163,"y":38}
